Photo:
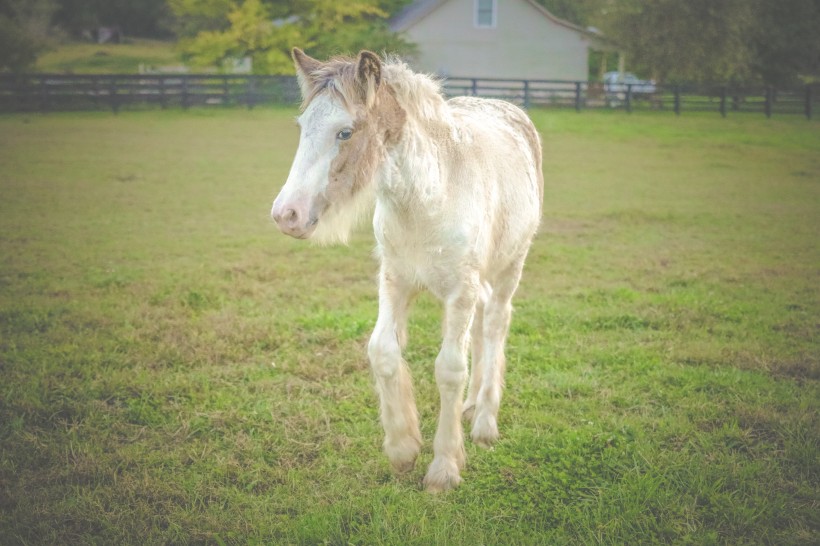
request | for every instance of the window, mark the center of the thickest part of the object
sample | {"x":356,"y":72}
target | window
{"x":485,"y":13}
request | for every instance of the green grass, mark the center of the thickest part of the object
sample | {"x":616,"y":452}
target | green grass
{"x":175,"y":371}
{"x":125,"y":58}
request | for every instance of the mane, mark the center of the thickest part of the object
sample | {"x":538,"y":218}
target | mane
{"x":419,"y":94}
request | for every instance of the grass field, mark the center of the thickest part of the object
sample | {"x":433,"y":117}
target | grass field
{"x":125,"y":58}
{"x":172,"y":370}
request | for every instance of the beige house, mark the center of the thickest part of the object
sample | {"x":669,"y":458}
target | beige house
{"x":514,"y":39}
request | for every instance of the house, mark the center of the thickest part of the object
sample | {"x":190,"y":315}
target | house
{"x":513,"y":39}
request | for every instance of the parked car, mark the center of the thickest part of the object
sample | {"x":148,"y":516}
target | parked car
{"x":617,"y":83}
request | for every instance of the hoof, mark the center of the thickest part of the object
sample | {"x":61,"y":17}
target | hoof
{"x":442,"y":475}
{"x":469,"y":412}
{"x":403,"y":467}
{"x":485,"y":431}
{"x":402,"y":455}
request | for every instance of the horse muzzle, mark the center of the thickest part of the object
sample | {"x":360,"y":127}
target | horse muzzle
{"x":294,"y":219}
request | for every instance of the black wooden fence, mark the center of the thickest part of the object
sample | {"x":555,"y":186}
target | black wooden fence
{"x":720,"y":98}
{"x":47,"y":92}
{"x":58,"y":92}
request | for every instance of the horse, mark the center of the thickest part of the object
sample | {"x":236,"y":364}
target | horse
{"x":455,"y":189}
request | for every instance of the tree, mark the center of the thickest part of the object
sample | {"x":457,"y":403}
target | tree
{"x":334,"y":28}
{"x":145,"y":18}
{"x":24,"y":27}
{"x":696,"y":40}
{"x":266,"y":33}
{"x":251,"y":33}
{"x":785,"y":42}
{"x":580,"y":12}
{"x":768,"y":41}
{"x":190,"y":17}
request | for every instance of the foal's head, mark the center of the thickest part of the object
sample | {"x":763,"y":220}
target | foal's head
{"x":350,"y":118}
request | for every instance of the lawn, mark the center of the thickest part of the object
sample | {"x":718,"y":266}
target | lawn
{"x":124,"y":58}
{"x":172,"y":370}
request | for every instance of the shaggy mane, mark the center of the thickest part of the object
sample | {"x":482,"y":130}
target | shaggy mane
{"x":419,"y":94}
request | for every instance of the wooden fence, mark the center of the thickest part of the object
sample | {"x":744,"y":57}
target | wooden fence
{"x":50,"y":92}
{"x":717,"y":98}
{"x":53,"y":92}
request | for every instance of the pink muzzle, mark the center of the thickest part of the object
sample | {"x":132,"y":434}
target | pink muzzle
{"x":295,"y":218}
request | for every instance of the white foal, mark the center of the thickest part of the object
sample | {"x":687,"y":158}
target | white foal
{"x":457,"y":187}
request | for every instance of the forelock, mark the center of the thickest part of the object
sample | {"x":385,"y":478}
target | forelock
{"x":336,"y":77}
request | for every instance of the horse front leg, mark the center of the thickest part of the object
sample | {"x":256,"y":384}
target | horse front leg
{"x":451,"y":376}
{"x":399,"y":417}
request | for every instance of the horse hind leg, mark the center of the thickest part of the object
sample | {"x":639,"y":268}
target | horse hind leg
{"x":477,"y":346}
{"x":496,"y":325}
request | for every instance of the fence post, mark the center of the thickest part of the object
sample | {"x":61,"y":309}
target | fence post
{"x":162,"y":101}
{"x":677,"y":100}
{"x":94,"y":91}
{"x":19,"y":84}
{"x":808,"y":101}
{"x":577,"y":96}
{"x":767,"y":106}
{"x":629,"y":98}
{"x":112,"y":94}
{"x":43,"y":94}
{"x":251,"y":90}
{"x":526,"y":94}
{"x":474,"y":86}
{"x":723,"y":101}
{"x":184,"y":91}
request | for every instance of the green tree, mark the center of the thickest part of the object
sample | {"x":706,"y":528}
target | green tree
{"x":785,"y":42}
{"x":696,"y":40}
{"x":190,"y":17}
{"x":146,"y":18}
{"x":251,"y":32}
{"x":24,"y":32}
{"x":771,"y":41}
{"x":581,"y":12}
{"x":334,"y":28}
{"x":266,"y":32}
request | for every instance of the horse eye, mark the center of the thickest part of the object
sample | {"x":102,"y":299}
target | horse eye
{"x":344,"y":134}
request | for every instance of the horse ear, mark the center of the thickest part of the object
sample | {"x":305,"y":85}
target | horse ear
{"x":368,"y":75}
{"x":306,"y":68}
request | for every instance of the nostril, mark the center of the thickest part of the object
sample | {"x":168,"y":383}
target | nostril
{"x":290,"y":217}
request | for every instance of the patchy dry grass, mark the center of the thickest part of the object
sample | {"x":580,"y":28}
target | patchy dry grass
{"x":174,"y":371}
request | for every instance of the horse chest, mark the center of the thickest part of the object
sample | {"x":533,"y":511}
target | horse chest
{"x":434,"y":261}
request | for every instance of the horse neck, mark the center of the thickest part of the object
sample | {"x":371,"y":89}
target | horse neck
{"x":411,"y":174}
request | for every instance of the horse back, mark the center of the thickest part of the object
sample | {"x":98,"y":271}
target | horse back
{"x":502,"y":113}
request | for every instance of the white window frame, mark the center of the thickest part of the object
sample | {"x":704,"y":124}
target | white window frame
{"x":494,"y":21}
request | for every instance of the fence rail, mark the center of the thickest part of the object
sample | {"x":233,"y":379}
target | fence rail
{"x":54,"y":92}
